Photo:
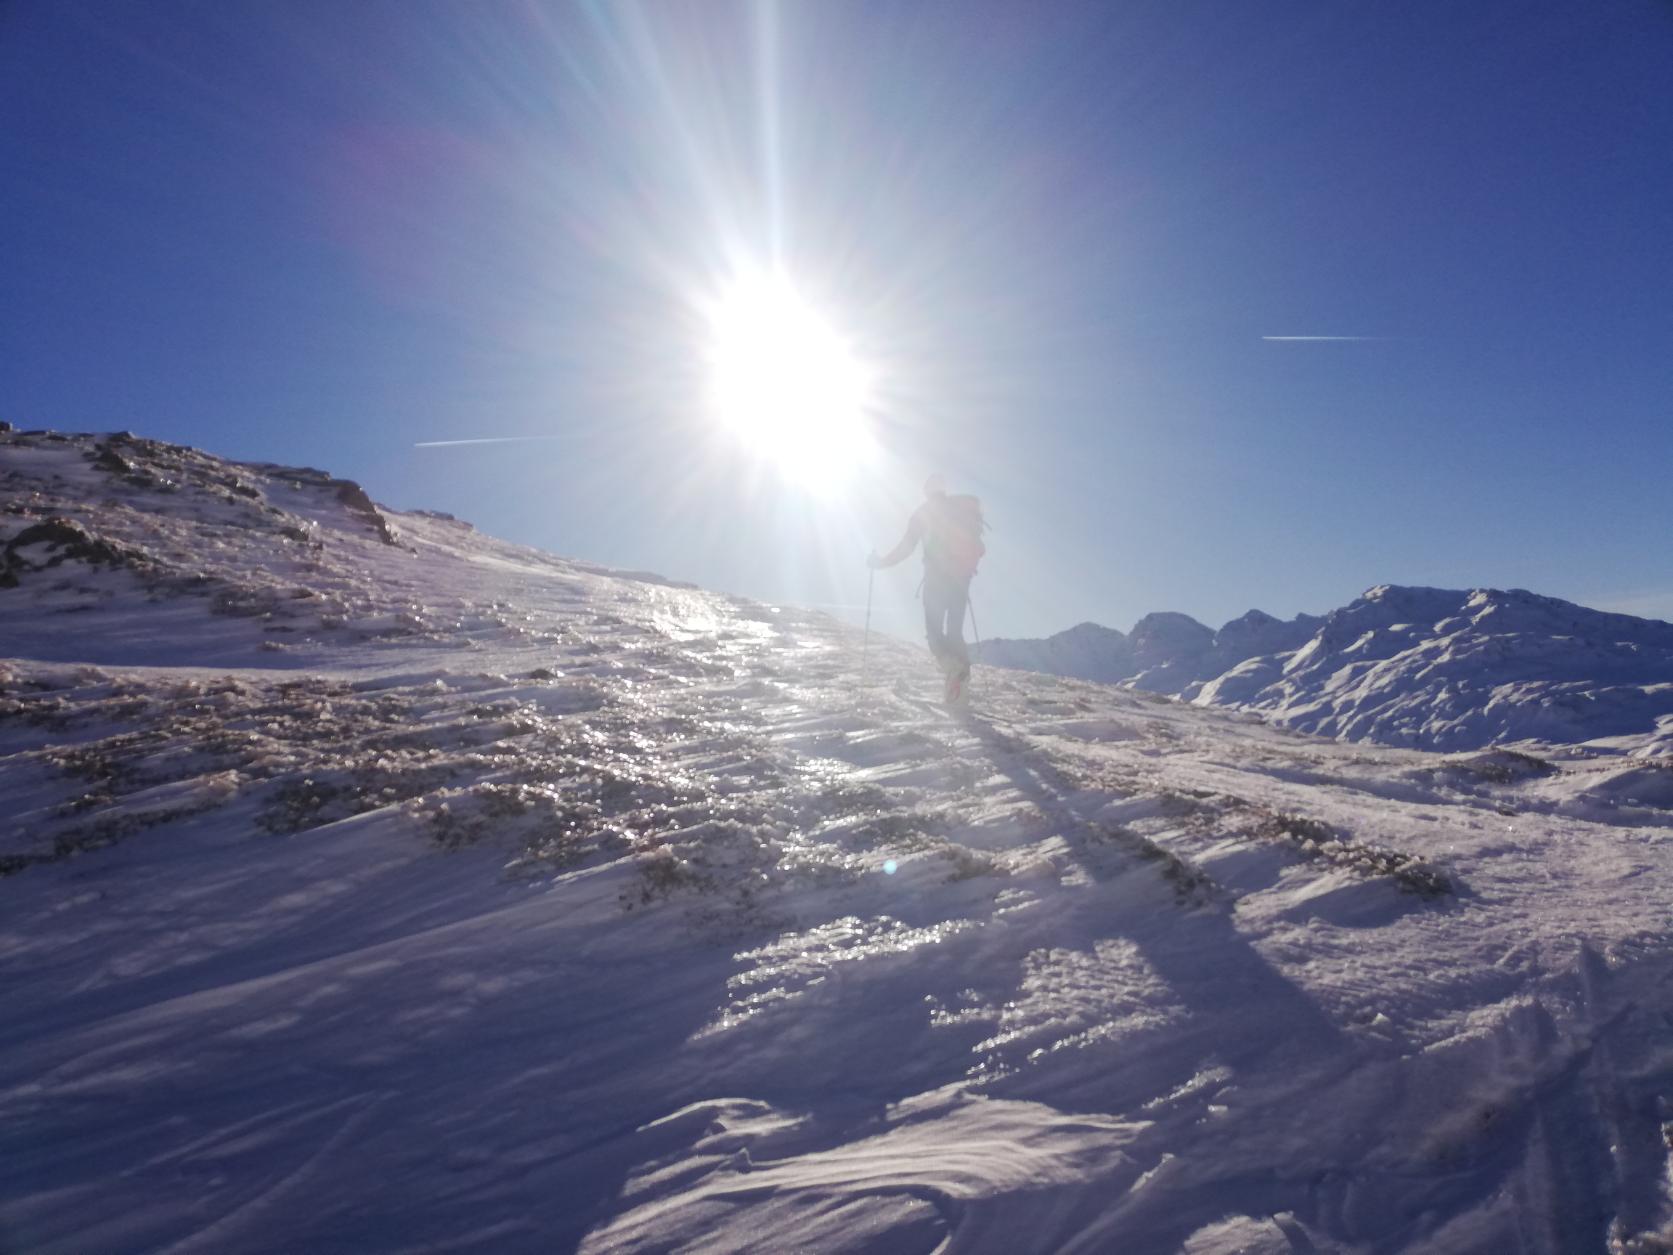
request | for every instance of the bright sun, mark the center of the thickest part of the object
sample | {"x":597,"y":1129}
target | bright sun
{"x":786,"y":384}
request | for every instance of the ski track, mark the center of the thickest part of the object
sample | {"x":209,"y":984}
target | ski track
{"x":517,"y":905}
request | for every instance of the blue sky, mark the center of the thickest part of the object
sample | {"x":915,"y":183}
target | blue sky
{"x":1058,"y":236}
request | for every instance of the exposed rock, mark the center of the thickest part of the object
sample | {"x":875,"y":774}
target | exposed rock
{"x":354,"y":497}
{"x":64,"y":541}
{"x":112,"y":462}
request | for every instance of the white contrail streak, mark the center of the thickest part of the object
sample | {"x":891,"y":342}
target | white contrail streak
{"x":437,"y":444}
{"x":1316,"y":339}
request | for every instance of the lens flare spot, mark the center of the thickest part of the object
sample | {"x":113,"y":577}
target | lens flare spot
{"x":889,"y":867}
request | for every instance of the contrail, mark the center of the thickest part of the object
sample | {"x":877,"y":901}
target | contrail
{"x":436,"y":444}
{"x":1315,"y":339}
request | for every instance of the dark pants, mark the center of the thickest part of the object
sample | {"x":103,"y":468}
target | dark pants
{"x":945,"y":598}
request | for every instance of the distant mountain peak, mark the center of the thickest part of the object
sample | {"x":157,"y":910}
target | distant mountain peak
{"x":1406,"y":664}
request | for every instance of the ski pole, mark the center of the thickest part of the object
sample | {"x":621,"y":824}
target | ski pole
{"x":970,"y":605}
{"x":865,"y":645}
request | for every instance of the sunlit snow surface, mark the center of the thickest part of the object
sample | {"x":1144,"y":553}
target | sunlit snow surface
{"x":442,"y":895}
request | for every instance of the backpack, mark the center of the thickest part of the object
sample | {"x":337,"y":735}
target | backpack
{"x":954,"y":542}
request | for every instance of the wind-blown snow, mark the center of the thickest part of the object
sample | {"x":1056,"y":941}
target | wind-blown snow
{"x":378,"y":886}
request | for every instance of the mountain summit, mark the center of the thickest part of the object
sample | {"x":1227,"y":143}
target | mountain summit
{"x":1422,"y":667}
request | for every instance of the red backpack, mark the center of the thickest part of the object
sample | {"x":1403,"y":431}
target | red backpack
{"x":954,"y":541}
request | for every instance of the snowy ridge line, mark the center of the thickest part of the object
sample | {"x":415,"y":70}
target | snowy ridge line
{"x":282,"y":553}
{"x":1423,"y":667}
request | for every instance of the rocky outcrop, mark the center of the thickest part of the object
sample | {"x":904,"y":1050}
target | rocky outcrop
{"x":354,"y":497}
{"x":53,"y":542}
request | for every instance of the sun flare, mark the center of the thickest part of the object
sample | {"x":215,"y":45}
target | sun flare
{"x":786,"y":384}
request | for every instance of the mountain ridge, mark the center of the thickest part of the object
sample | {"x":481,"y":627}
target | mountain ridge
{"x":1404,"y":665}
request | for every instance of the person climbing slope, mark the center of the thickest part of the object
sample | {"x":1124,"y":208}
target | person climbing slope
{"x":950,"y":527}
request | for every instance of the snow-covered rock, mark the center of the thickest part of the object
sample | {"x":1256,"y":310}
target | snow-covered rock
{"x":1167,"y":651}
{"x":1256,"y":635}
{"x":1087,"y":651}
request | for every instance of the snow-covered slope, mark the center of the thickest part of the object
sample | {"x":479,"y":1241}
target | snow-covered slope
{"x":1459,"y":670}
{"x":1087,"y":651}
{"x":401,"y":889}
{"x":1421,"y":667}
{"x":1166,"y":652}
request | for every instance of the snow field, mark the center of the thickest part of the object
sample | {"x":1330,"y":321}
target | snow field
{"x":599,"y":913}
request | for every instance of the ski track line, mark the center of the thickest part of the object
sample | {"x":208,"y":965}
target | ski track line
{"x":224,"y":1234}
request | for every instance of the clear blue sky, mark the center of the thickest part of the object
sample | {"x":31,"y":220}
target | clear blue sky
{"x":323,"y":232}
